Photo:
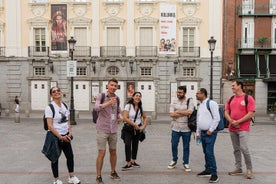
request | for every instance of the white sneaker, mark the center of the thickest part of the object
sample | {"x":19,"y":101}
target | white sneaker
{"x":172,"y":165}
{"x":187,"y":168}
{"x":74,"y":180}
{"x":57,"y":182}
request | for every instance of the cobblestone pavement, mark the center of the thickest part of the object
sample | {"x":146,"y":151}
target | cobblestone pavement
{"x":22,"y":161}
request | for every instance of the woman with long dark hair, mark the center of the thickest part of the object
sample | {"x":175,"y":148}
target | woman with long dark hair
{"x":135,"y":123}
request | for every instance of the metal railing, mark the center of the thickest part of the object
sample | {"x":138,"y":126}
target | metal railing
{"x":146,"y":51}
{"x":257,"y":9}
{"x":2,"y":51}
{"x":189,"y":51}
{"x":82,"y":51}
{"x":113,"y":51}
{"x":34,"y":51}
{"x":257,"y":43}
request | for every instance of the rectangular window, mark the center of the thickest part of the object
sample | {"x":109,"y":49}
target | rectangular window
{"x":146,"y":34}
{"x":81,"y":36}
{"x":146,"y":71}
{"x":188,"y":72}
{"x":39,"y":71}
{"x":40,"y":39}
{"x":189,"y":37}
{"x":81,"y":71}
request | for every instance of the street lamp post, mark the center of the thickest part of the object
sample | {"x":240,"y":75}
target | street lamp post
{"x":72,"y":43}
{"x":212,"y":44}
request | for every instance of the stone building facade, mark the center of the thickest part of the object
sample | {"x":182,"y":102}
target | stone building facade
{"x":114,"y":38}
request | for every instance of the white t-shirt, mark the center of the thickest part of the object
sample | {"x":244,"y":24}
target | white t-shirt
{"x":132,"y":112}
{"x":60,"y":121}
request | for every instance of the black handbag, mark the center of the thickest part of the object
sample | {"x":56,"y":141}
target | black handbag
{"x":142,"y":136}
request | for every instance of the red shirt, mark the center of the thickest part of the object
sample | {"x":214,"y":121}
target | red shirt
{"x":237,"y":110}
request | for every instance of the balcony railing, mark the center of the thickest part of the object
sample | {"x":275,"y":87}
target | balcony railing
{"x":189,"y":51}
{"x":82,"y":51}
{"x":34,"y":51}
{"x":146,"y":51}
{"x":257,"y":43}
{"x":257,"y":10}
{"x":113,"y":51}
{"x":2,"y":51}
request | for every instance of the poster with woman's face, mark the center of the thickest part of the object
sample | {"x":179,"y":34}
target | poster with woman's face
{"x":59,"y":27}
{"x":130,"y":89}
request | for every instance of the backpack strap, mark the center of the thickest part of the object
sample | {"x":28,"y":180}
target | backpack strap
{"x":208,"y":107}
{"x":52,"y":109}
{"x":65,"y":105}
{"x":102,"y":98}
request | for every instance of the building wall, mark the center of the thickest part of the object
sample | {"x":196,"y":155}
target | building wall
{"x":21,"y":17}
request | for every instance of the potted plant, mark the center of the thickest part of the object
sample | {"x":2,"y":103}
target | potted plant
{"x":262,"y":40}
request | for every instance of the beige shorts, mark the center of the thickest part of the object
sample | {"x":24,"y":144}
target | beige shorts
{"x":103,"y":138}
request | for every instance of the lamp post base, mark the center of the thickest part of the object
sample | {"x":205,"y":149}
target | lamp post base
{"x":72,"y":117}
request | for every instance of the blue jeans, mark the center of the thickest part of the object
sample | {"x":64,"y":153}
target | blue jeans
{"x":208,"y":143}
{"x":186,"y":137}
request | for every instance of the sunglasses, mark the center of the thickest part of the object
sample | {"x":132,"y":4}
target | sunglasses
{"x":56,"y":91}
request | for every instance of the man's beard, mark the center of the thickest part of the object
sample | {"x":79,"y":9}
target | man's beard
{"x":180,"y":97}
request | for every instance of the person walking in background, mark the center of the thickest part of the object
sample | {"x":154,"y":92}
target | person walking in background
{"x":238,"y":113}
{"x":60,"y":127}
{"x":207,"y":122}
{"x":107,"y":125}
{"x":135,"y":122}
{"x":16,"y":101}
{"x":179,"y":111}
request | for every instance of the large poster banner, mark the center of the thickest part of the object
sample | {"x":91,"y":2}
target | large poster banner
{"x":59,"y":27}
{"x":167,"y":29}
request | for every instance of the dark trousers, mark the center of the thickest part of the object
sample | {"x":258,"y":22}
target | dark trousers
{"x":131,"y":144}
{"x":208,"y":144}
{"x":68,"y":152}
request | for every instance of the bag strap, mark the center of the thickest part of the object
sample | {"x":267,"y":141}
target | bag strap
{"x":52,"y":109}
{"x":136,"y":115}
{"x":208,"y":107}
{"x":102,"y":98}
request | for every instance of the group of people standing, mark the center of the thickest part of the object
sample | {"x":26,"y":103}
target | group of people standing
{"x":237,"y":113}
{"x":107,"y":126}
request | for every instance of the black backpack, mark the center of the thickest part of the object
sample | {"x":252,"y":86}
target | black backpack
{"x":95,"y":114}
{"x":53,"y":110}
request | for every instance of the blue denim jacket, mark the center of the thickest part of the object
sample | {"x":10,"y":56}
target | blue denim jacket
{"x":51,"y":148}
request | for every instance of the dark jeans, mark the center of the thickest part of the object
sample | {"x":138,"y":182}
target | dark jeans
{"x":186,"y":137}
{"x":68,"y":152}
{"x":208,"y":143}
{"x":131,"y":144}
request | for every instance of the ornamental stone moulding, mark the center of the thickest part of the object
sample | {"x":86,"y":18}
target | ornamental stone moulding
{"x":80,"y":8}
{"x":145,"y":7}
{"x":190,"y":8}
{"x":80,"y":21}
{"x":38,"y":21}
{"x":113,"y":21}
{"x":189,"y":21}
{"x":146,"y":21}
{"x":113,"y":8}
{"x":39,"y":9}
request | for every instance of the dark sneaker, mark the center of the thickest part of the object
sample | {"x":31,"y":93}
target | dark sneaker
{"x":172,"y":165}
{"x":214,"y":179}
{"x":135,"y":165}
{"x":127,"y":167}
{"x":115,"y":176}
{"x":99,"y":180}
{"x":204,"y":174}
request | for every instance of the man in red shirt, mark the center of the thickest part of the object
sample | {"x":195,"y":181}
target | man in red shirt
{"x":239,"y":113}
